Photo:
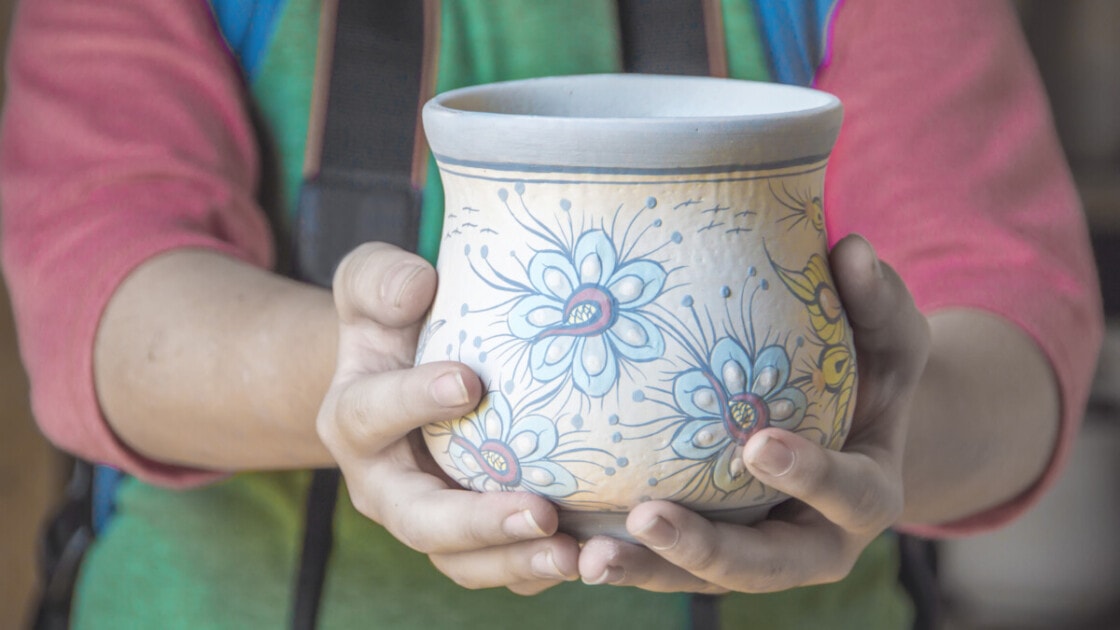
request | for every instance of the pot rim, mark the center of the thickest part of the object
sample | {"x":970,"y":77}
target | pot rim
{"x":628,"y":122}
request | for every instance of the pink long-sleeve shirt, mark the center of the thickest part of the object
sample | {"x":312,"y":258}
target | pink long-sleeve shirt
{"x":126,"y":134}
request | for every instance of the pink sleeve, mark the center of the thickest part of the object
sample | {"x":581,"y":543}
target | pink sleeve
{"x":124,"y":135}
{"x":947,"y":129}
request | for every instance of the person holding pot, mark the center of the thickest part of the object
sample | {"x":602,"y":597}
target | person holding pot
{"x":149,"y":156}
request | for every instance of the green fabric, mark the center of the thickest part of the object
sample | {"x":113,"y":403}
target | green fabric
{"x":746,"y":58}
{"x":224,"y":556}
{"x":282,"y":92}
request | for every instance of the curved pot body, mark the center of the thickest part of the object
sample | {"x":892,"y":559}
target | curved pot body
{"x":636,"y":266}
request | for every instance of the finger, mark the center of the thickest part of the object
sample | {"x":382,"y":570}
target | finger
{"x":532,"y":588}
{"x":426,"y":515}
{"x":606,"y":560}
{"x":372,"y":411}
{"x":385,"y":284}
{"x":850,"y":489}
{"x":527,"y":565}
{"x":891,"y":335}
{"x":773,"y":556}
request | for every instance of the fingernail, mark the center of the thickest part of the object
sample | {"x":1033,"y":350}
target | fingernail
{"x":658,"y":534}
{"x":450,"y":391}
{"x":610,"y":575}
{"x":769,"y":456}
{"x":522,"y":525}
{"x":876,"y":268}
{"x":544,"y":566}
{"x":396,"y":281}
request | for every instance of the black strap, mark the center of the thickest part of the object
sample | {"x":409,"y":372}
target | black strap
{"x":917,"y":571}
{"x":363,"y":190}
{"x":62,"y":547}
{"x":670,"y":37}
{"x":663,"y":36}
{"x":318,"y":539}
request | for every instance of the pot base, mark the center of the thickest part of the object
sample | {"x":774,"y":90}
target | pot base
{"x":585,"y":525}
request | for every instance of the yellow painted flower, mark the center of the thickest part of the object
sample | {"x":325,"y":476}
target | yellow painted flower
{"x":813,"y":287}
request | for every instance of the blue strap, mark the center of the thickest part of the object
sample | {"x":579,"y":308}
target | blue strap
{"x":105,"y":483}
{"x":247,"y":26}
{"x":796,"y":36}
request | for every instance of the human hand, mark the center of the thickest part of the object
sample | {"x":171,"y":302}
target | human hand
{"x":841,"y":500}
{"x":369,"y":422}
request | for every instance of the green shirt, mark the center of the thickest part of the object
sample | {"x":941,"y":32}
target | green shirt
{"x":225,"y":555}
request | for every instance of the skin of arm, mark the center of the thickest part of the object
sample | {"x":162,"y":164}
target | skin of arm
{"x":262,"y":347}
{"x":205,"y":361}
{"x":984,"y":421}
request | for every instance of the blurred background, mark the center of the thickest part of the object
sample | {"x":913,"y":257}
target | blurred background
{"x":1058,"y":567}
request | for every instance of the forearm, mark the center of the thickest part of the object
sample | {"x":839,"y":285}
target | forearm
{"x":984,"y":421}
{"x":205,"y":361}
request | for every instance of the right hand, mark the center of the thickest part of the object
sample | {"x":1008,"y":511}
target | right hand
{"x":370,"y":421}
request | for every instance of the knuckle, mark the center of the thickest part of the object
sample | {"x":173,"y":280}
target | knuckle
{"x":875,"y":508}
{"x":811,"y":474}
{"x":410,"y":538}
{"x":354,"y":266}
{"x":355,"y":417}
{"x":706,"y":560}
{"x":528,"y":589}
{"x":477,"y":530}
{"x":839,"y":570}
{"x":406,"y":531}
{"x":455,"y":572}
{"x":363,"y":503}
{"x":769,"y":575}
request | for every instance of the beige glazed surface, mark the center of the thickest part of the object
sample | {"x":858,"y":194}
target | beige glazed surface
{"x":634,"y":327}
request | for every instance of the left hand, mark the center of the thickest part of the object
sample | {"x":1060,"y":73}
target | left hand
{"x":841,"y":500}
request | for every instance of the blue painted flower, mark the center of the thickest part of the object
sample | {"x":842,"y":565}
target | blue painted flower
{"x":585,"y":317}
{"x":728,"y":401}
{"x":495,"y":452}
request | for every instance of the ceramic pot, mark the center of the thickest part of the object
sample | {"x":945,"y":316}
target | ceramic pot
{"x":636,"y":267}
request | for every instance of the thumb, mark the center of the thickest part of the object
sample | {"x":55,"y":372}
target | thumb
{"x":385,"y":284}
{"x":891,"y":336}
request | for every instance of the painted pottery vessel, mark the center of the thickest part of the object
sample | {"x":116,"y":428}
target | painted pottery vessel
{"x":636,"y":267}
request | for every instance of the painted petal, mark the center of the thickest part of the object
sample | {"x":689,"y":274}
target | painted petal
{"x":552,"y":357}
{"x":636,"y":338}
{"x":549,"y":479}
{"x":729,"y":349}
{"x":551,"y":273}
{"x":733,"y":376}
{"x":533,"y":438}
{"x":472,"y":481}
{"x":637,"y":283}
{"x":595,"y":355}
{"x":499,"y":416}
{"x":816,"y":271}
{"x":594,"y":257}
{"x":468,"y":428}
{"x":493,"y":424}
{"x":464,"y":460}
{"x":787,"y":408}
{"x":469,"y":465}
{"x":700,"y":438}
{"x":771,"y":370}
{"x":695,"y":395}
{"x":523,"y":443}
{"x":797,"y":282}
{"x":729,"y":473}
{"x":595,"y":368}
{"x":533,"y":314}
